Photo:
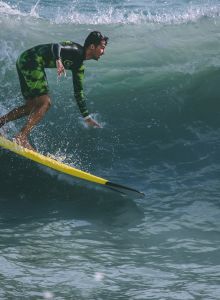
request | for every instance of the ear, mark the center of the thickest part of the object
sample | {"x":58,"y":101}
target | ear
{"x":92,"y":46}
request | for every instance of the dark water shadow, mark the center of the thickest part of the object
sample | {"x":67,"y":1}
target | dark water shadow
{"x":31,"y":193}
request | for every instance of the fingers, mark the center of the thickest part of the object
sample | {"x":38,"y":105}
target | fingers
{"x":61,"y":71}
{"x":97,"y":125}
{"x":93,"y":123}
{"x":60,"y":68}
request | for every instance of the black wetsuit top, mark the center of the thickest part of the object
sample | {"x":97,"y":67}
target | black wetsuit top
{"x":34,"y":60}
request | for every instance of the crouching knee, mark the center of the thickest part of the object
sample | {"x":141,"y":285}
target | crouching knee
{"x":44,"y":101}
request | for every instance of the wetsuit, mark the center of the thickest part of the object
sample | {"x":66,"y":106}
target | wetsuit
{"x":32,"y":63}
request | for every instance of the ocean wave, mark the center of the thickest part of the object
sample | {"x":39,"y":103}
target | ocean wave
{"x":9,"y":10}
{"x":78,"y":13}
{"x":191,"y":14}
{"x":112,"y":15}
{"x":13,"y":10}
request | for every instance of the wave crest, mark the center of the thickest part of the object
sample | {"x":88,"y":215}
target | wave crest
{"x":8,"y":10}
{"x":94,"y":14}
{"x":113,"y":15}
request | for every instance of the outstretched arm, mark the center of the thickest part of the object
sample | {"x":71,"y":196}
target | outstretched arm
{"x":78,"y":77}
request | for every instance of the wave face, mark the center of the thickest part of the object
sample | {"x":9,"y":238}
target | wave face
{"x":156,"y":93}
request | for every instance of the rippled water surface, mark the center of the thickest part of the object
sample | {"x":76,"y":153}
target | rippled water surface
{"x":156,"y":94}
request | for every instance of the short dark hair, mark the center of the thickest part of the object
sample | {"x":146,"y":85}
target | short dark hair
{"x":95,"y":38}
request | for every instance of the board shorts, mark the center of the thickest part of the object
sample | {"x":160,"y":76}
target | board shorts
{"x":31,"y":73}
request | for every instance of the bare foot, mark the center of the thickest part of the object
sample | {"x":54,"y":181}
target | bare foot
{"x":23,"y":141}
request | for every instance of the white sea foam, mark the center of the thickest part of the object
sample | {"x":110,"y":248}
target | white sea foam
{"x":9,"y":10}
{"x":112,"y":15}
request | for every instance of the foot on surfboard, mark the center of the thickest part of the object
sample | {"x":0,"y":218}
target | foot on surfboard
{"x":23,"y":142}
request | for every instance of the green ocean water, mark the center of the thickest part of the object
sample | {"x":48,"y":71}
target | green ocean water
{"x":156,"y":93}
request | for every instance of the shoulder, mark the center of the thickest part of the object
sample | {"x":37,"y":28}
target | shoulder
{"x":73,"y":45}
{"x":66,"y":43}
{"x":76,"y":49}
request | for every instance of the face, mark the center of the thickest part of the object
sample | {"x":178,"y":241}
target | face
{"x":99,"y":50}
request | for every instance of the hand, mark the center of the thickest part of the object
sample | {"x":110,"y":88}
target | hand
{"x":60,"y":68}
{"x":91,"y":122}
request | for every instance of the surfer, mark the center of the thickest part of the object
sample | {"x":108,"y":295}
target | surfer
{"x":31,"y":66}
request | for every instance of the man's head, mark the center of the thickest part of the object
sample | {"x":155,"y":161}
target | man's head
{"x":95,"y":44}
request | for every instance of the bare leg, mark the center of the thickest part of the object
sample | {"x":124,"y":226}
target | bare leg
{"x":38,"y":107}
{"x":17,"y":113}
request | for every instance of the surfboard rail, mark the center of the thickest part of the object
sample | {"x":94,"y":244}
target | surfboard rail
{"x":62,"y":167}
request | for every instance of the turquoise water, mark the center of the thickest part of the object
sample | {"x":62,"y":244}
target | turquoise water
{"x":156,"y":93}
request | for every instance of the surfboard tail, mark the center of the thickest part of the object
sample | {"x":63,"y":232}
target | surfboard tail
{"x":124,"y":189}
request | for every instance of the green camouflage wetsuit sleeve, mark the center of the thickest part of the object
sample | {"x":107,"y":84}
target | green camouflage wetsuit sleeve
{"x":72,"y":56}
{"x":32,"y":63}
{"x":78,"y":77}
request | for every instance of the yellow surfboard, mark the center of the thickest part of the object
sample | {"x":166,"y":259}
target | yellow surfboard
{"x":63,"y":168}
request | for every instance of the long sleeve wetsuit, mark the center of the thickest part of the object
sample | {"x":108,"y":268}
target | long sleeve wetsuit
{"x":32,"y":76}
